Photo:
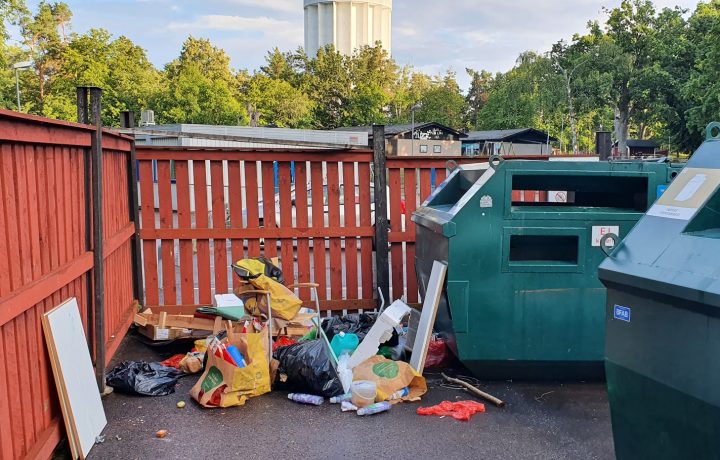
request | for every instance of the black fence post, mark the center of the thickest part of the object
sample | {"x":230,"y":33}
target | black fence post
{"x":98,"y":253}
{"x":127,"y":120}
{"x":83,"y":107}
{"x":382,"y":265}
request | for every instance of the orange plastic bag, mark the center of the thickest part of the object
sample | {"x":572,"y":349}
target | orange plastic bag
{"x":459,"y":410}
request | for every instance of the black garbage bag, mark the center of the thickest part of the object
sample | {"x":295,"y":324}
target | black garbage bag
{"x":141,"y":378}
{"x":308,"y":369}
{"x":355,"y":323}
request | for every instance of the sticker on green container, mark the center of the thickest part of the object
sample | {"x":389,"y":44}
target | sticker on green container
{"x":386,"y":370}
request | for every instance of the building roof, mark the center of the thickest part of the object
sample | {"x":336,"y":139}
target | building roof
{"x":640,"y":144}
{"x":528,"y":135}
{"x":395,"y":130}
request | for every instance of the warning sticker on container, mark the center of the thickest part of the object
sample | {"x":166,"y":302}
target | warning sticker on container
{"x":690,"y":189}
{"x":598,"y":231}
{"x":622,"y":313}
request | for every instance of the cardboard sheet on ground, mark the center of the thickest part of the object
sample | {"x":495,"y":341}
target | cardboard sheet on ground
{"x":74,"y":376}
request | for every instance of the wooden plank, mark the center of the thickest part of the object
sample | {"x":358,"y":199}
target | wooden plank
{"x":202,"y":222}
{"x":5,"y":259}
{"x":149,"y":248}
{"x":238,"y":154}
{"x":218,"y":217}
{"x":268,"y":198}
{"x":235,"y":206}
{"x":34,"y":210}
{"x":251,"y":206}
{"x":287,"y":256}
{"x":427,"y":318}
{"x":46,"y":442}
{"x":54,"y":219}
{"x":25,"y":261}
{"x":182,"y":188}
{"x":396,"y":250}
{"x":366,"y":265}
{"x":82,"y":407}
{"x":351,"y":208}
{"x":277,"y":233}
{"x":6,"y":438}
{"x":318,"y":221}
{"x":410,"y":206}
{"x":425,"y":184}
{"x":301,"y":217}
{"x":14,"y":275}
{"x":170,"y":320}
{"x":333,"y":192}
{"x":440,"y":176}
{"x":167,"y":246}
{"x":118,"y":240}
{"x":50,"y":135}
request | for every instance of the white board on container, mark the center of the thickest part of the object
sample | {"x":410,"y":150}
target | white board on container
{"x":74,"y":376}
{"x":431,"y":302}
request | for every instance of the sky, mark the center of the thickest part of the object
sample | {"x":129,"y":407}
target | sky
{"x":432,"y":36}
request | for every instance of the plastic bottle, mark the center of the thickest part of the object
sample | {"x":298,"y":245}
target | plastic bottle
{"x":306,"y":399}
{"x":236,"y":356}
{"x":341,"y":398}
{"x":344,"y":343}
{"x":347,"y":406}
{"x":399,"y":394}
{"x":374,"y":408}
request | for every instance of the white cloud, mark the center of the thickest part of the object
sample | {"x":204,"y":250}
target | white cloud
{"x":287,"y":6}
{"x":226,"y":22}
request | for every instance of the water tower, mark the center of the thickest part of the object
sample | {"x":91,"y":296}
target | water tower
{"x":346,"y":24}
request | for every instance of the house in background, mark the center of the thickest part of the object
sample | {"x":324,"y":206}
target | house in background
{"x":421,"y":139}
{"x":521,"y":141}
{"x":636,"y":148}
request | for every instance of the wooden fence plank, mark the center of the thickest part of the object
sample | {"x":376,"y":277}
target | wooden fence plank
{"x":318,"y":221}
{"x":301,"y":217}
{"x":351,"y":207}
{"x":147,"y":217}
{"x":202,"y":221}
{"x":396,"y":250}
{"x":366,"y":250}
{"x":286,"y":221}
{"x":333,"y":192}
{"x":410,"y":206}
{"x":235,"y":206}
{"x":218,"y":217}
{"x":251,"y":205}
{"x":182,"y":188}
{"x":425,"y":184}
{"x":167,"y":246}
{"x":268,"y":198}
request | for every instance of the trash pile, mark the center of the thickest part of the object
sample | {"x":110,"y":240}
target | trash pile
{"x":260,"y":338}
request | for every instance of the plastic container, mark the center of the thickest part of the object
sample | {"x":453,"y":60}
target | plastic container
{"x":344,"y":343}
{"x":363,"y":393}
{"x":374,"y":408}
{"x":306,"y":399}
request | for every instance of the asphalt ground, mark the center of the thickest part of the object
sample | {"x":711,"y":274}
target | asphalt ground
{"x":540,"y":421}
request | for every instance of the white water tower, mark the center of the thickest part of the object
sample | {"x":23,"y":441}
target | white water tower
{"x":347,"y":24}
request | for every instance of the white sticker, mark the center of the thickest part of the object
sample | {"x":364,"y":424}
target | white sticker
{"x":486,"y":201}
{"x":162,"y":334}
{"x":601,"y":230}
{"x":671,"y":212}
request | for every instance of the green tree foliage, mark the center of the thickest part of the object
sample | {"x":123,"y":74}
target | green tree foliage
{"x":199,"y":87}
{"x":10,"y":13}
{"x":477,"y":96}
{"x":443,"y":103}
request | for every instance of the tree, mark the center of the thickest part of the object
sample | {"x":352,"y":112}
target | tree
{"x":10,"y":13}
{"x":477,"y":96}
{"x":45,"y":43}
{"x":329,"y":88}
{"x":199,"y":87}
{"x":443,"y":103}
{"x":703,"y":86}
{"x":279,"y":103}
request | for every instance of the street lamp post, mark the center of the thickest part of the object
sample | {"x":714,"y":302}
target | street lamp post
{"x":415,"y":107}
{"x":19,"y":66}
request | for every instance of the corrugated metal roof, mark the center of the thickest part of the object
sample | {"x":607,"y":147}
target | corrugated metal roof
{"x":394,"y":130}
{"x":359,"y":138}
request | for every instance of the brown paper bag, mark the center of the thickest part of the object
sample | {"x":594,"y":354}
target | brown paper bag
{"x":391,"y":376}
{"x":225,"y":385}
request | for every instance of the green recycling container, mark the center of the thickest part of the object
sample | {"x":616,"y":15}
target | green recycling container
{"x":663,"y":320}
{"x":521,"y":240}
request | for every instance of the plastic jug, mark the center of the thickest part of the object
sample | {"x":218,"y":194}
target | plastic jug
{"x":344,"y":343}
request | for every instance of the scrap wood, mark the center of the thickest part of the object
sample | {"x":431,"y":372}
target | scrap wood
{"x":164,"y":320}
{"x":475,"y":390}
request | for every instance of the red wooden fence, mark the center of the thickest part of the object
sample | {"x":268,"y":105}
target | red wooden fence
{"x":45,"y":259}
{"x":227,"y":207}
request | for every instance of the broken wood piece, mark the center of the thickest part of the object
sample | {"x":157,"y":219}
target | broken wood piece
{"x":474,"y":390}
{"x":180,"y":321}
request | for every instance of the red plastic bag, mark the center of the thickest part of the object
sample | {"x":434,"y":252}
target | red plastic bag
{"x":437,"y":353}
{"x":459,"y":410}
{"x":283,"y":341}
{"x":173,"y":361}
